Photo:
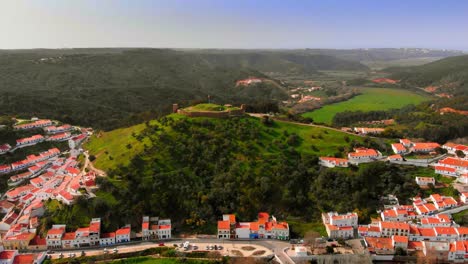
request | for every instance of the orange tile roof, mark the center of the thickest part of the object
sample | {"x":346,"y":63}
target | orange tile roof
{"x":394,"y":225}
{"x":56,"y":231}
{"x":24,"y":259}
{"x":445,"y":230}
{"x":254,"y":226}
{"x":462,"y":230}
{"x":379,"y":242}
{"x":454,"y":162}
{"x":414,"y":244}
{"x":396,"y":156}
{"x":427,"y":232}
{"x":224,"y":225}
{"x":123,"y":231}
{"x":399,"y":147}
{"x":7,"y":254}
{"x":145,"y":225}
{"x":400,"y":239}
{"x":430,"y":207}
{"x":425,"y":146}
{"x":69,"y":236}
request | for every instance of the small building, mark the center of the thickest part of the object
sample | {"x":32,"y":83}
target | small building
{"x":54,"y":236}
{"x":107,"y":239}
{"x":425,"y":181}
{"x":123,"y":234}
{"x":332,"y":162}
{"x":398,"y":148}
{"x":424,"y":147}
{"x":396,"y":157}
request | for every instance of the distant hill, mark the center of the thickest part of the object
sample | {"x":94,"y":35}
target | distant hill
{"x":449,"y":75}
{"x":384,"y":54}
{"x":291,"y":62}
{"x":109,"y":90}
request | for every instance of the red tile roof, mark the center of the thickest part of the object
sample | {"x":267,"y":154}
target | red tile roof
{"x":69,"y":236}
{"x":7,"y":254}
{"x":123,"y":231}
{"x":224,"y":225}
{"x":398,"y":147}
{"x":24,"y":259}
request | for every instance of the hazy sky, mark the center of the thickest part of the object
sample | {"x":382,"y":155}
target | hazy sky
{"x":234,"y":24}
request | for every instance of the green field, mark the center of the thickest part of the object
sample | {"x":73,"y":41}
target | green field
{"x":371,"y":99}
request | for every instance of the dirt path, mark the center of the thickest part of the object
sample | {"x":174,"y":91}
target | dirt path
{"x":311,"y":125}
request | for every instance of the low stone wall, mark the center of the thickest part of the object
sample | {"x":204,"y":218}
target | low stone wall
{"x":212,"y":114}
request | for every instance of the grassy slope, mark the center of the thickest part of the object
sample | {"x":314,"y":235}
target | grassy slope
{"x":150,"y":260}
{"x":370,"y":99}
{"x":114,"y":142}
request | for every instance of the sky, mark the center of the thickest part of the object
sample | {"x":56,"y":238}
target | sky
{"x":243,"y":24}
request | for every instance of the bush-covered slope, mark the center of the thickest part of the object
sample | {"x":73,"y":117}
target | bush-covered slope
{"x":195,"y":169}
{"x":450,"y":74}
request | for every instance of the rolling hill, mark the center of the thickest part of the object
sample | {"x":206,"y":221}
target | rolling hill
{"x":449,"y":75}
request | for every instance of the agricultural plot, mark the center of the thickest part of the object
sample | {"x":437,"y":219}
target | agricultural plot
{"x":371,"y":99}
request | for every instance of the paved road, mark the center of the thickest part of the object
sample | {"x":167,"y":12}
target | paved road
{"x":276,"y":247}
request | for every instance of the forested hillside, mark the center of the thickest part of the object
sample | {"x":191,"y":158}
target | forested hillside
{"x":448,"y":75}
{"x":194,"y":170}
{"x":109,"y":88}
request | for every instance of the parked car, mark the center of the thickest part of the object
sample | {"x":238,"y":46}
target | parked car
{"x":161,"y":244}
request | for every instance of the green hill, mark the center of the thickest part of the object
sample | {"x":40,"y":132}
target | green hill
{"x":450,"y":74}
{"x":195,"y":169}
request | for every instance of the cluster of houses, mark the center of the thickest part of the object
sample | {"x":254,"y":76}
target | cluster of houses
{"x":421,"y":226}
{"x":23,"y":236}
{"x":32,"y":162}
{"x":359,"y":155}
{"x":56,"y":134}
{"x":406,"y":146}
{"x":265,"y":227}
{"x":36,"y":123}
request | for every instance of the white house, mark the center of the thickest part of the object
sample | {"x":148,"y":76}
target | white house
{"x":54,"y":236}
{"x":332,"y":162}
{"x":107,"y":239}
{"x":123,"y":234}
{"x":398,"y":148}
{"x":425,"y":181}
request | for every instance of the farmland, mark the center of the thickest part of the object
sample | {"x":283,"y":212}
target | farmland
{"x":370,"y":99}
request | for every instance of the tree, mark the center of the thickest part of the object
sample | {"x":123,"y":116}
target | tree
{"x":460,"y":154}
{"x":399,"y":251}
